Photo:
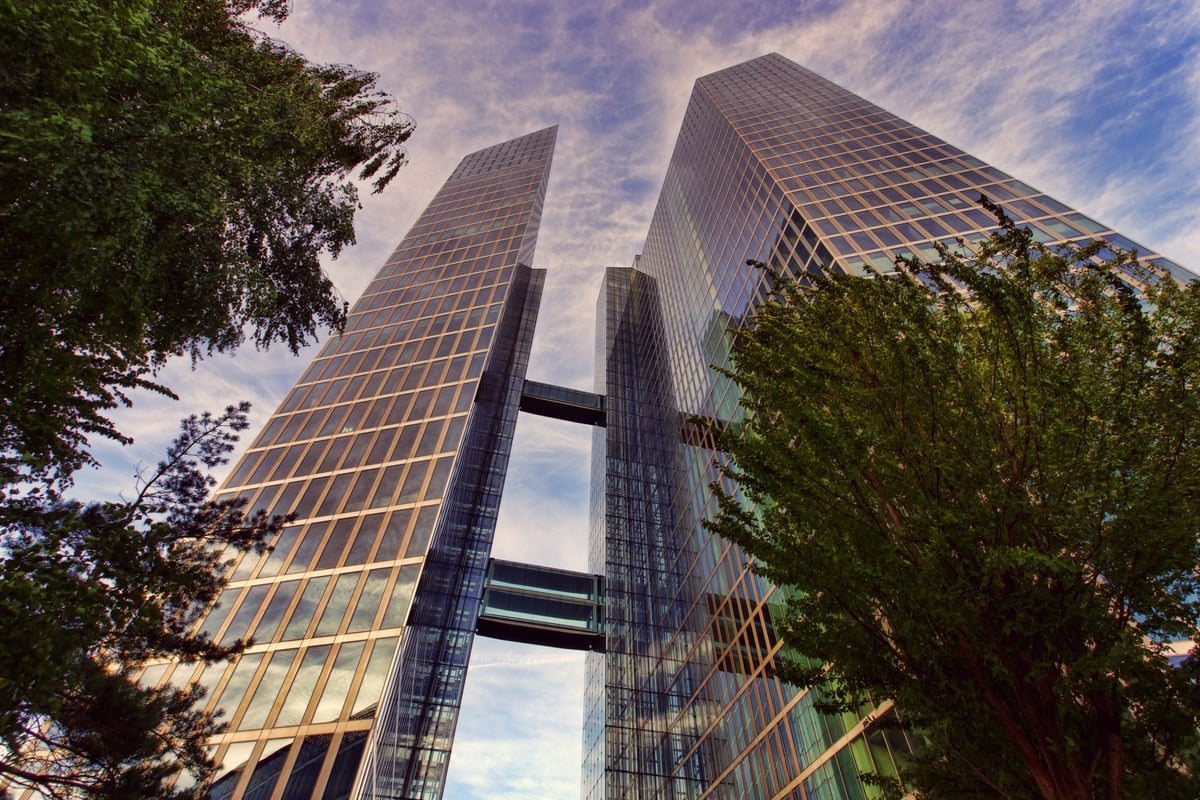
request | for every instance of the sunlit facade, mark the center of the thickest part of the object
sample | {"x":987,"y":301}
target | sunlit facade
{"x":772,"y":163}
{"x":390,"y":451}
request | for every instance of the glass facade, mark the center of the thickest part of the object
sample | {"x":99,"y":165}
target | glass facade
{"x":772,"y":163}
{"x":390,"y":451}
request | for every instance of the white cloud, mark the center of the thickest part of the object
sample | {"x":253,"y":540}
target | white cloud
{"x":515,"y":737}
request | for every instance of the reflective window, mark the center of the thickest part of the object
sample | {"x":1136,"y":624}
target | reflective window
{"x":268,"y":689}
{"x":235,"y":689}
{"x":310,"y":542}
{"x":281,"y":549}
{"x":284,"y":592}
{"x":364,"y":541}
{"x":302,"y":616}
{"x":335,"y":609}
{"x":239,"y":625}
{"x":303,"y":686}
{"x":419,"y":538}
{"x":368,"y":601}
{"x":216,"y":615}
{"x":337,"y":685}
{"x":373,"y":677}
{"x":335,"y":544}
{"x":402,"y":593}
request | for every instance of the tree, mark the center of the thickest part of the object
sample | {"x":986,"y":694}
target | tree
{"x":89,"y":594}
{"x":169,"y":178}
{"x":980,"y":479}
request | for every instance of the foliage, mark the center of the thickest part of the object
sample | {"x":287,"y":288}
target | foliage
{"x":981,"y":479}
{"x":89,"y":595}
{"x":169,"y":178}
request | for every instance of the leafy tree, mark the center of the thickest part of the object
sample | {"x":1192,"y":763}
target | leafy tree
{"x":89,"y":594}
{"x":169,"y":178}
{"x":980,"y":478}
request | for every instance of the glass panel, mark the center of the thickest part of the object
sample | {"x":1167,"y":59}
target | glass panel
{"x":377,"y":667}
{"x":305,"y":610}
{"x":152,"y":675}
{"x":338,"y":683}
{"x":357,"y":497}
{"x":303,"y":685}
{"x":405,"y":441}
{"x":336,"y":544}
{"x":337,"y":491}
{"x":345,"y":766}
{"x":266,"y":771}
{"x":225,"y":601}
{"x":419,"y":540}
{"x":308,"y":547}
{"x":230,"y":769}
{"x":387,"y":486}
{"x":336,"y":451}
{"x":402,"y":592}
{"x":207,"y":677}
{"x":243,"y":671}
{"x":283,"y":548}
{"x":410,"y":492}
{"x":364,"y":540}
{"x":268,"y":690}
{"x":368,"y":601}
{"x":308,"y":501}
{"x":287,"y":462}
{"x":393,"y":535}
{"x":245,"y":613}
{"x":286,"y":500}
{"x":246,"y":567}
{"x":538,"y":609}
{"x":441,"y":475}
{"x":307,"y":768}
{"x":331,"y":619}
{"x":265,"y":631}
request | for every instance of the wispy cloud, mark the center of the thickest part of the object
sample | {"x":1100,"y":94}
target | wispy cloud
{"x":520,"y":731}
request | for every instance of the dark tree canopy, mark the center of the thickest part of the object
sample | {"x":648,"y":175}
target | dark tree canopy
{"x":89,"y":593}
{"x":169,"y":178}
{"x":981,"y":479}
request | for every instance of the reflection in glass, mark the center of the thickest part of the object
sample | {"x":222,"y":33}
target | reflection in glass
{"x":331,"y":618}
{"x":303,"y":684}
{"x":337,"y":685}
{"x":267,"y":626}
{"x":302,"y":617}
{"x":372,"y":682}
{"x":368,"y":601}
{"x":268,"y":689}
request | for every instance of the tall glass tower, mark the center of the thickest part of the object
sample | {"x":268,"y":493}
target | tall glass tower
{"x":390,"y":451}
{"x":777,"y":164}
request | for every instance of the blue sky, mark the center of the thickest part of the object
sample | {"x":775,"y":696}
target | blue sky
{"x":1096,"y":103}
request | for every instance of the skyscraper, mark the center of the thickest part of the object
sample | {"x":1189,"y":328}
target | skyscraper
{"x":777,"y":164}
{"x":390,"y":451}
{"x":392,"y":447}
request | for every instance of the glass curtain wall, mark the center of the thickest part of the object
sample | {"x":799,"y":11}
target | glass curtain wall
{"x":391,"y":444}
{"x":777,"y":164}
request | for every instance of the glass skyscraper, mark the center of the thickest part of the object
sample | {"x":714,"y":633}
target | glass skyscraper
{"x":777,"y":164}
{"x":392,"y":447}
{"x":390,"y":451}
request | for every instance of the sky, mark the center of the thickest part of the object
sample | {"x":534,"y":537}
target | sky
{"x":1095,"y":103}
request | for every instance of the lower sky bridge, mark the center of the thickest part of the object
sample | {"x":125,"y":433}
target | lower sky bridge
{"x":543,"y":605}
